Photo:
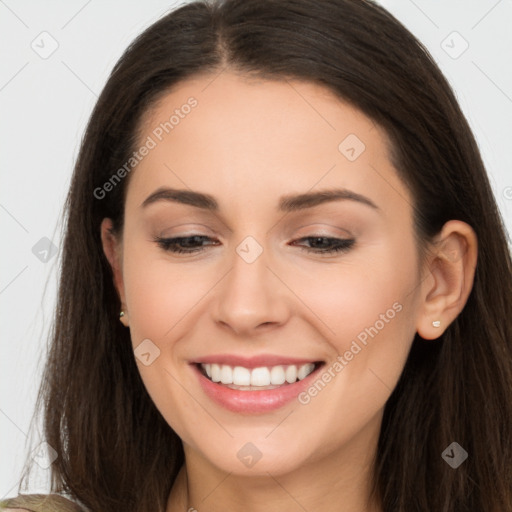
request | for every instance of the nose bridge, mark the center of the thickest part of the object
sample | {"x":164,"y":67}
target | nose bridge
{"x":250,"y":294}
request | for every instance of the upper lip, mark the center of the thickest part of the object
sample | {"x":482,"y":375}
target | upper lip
{"x":253,"y":361}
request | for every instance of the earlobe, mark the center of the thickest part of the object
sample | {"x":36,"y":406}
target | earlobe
{"x":113,"y":253}
{"x":451,"y":267}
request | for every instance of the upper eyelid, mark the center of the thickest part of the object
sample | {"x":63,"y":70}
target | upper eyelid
{"x":329,"y":236}
{"x":310,"y":226}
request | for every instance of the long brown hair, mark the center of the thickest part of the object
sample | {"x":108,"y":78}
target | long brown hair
{"x":115,"y":450}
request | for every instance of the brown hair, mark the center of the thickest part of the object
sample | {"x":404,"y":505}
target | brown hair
{"x":115,"y":450}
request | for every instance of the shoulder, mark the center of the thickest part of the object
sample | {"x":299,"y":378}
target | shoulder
{"x":39,"y":503}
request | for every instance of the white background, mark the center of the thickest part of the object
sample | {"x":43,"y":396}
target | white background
{"x":45,"y":104}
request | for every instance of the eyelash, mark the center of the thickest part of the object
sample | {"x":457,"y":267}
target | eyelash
{"x":171,"y":244}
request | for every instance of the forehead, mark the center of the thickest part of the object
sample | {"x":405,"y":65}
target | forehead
{"x":243,"y":139}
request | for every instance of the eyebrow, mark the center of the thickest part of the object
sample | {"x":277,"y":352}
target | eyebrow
{"x":287,"y":203}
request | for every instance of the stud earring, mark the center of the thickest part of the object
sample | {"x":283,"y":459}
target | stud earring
{"x":436,"y":323}
{"x":123,"y":318}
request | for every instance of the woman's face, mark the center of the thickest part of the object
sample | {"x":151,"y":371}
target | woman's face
{"x":260,"y":295}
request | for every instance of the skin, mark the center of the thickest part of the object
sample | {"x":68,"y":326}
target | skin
{"x":247,"y":143}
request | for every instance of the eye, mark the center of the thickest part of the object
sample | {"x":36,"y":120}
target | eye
{"x":329,"y":245}
{"x":182,"y":244}
{"x":193,"y":243}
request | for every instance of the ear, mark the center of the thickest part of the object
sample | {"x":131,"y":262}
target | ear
{"x":451,"y":268}
{"x":112,"y":247}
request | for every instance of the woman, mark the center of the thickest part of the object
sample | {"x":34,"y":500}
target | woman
{"x":285,"y":281}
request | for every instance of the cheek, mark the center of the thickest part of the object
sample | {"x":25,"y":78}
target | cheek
{"x":161,"y":296}
{"x":358,"y":297}
{"x":160,"y":292}
{"x":366,"y":313}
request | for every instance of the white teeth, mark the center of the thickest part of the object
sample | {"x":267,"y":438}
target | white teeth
{"x":305,"y":370}
{"x":215,"y":372}
{"x":241,"y":376}
{"x":262,"y":376}
{"x":226,"y":374}
{"x":291,"y":374}
{"x":277,"y":375}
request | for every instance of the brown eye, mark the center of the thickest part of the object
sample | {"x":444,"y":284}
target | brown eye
{"x":324,"y":244}
{"x":183,"y":244}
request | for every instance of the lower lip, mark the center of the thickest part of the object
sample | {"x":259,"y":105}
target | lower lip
{"x":253,"y":402}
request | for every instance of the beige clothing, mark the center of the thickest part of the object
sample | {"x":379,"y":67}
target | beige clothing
{"x":39,"y":503}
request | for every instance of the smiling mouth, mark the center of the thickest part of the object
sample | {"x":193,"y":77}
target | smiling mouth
{"x":260,"y":378}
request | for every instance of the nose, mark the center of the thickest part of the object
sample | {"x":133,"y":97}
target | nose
{"x":251,"y":298}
